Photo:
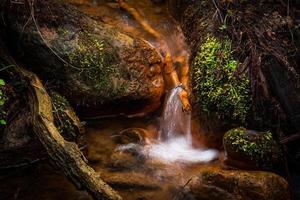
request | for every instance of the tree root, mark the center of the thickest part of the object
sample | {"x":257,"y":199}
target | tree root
{"x":65,"y":154}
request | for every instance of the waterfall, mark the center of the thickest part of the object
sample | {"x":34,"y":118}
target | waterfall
{"x":175,"y":137}
{"x":174,"y":121}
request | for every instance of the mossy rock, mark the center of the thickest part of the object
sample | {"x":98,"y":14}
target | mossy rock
{"x":100,"y":70}
{"x":236,"y":185}
{"x":251,"y":149}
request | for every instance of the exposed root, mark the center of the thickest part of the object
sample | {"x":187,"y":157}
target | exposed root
{"x":65,"y":154}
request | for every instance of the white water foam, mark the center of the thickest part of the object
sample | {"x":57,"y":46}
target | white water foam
{"x":175,"y":138}
{"x":179,"y":150}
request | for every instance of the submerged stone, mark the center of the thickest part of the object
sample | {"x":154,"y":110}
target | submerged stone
{"x":131,"y":135}
{"x":131,"y":181}
{"x":235,"y":185}
{"x":251,"y":149}
{"x":124,"y":160}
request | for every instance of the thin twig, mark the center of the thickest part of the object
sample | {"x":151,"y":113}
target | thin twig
{"x":218,"y":10}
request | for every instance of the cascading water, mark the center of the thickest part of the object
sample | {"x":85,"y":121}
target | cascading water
{"x":175,"y":138}
{"x":174,"y":122}
{"x":174,"y":141}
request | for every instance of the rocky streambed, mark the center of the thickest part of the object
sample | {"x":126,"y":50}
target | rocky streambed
{"x":137,"y":177}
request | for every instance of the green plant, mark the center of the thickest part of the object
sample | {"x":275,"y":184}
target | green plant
{"x":258,"y":146}
{"x":2,"y":102}
{"x":238,"y":138}
{"x":62,"y":111}
{"x":96,"y":64}
{"x":218,"y":89}
{"x":223,"y":28}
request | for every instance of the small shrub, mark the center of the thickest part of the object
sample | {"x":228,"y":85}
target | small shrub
{"x":217,"y":88}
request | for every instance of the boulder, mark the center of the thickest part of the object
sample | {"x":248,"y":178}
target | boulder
{"x":248,"y":149}
{"x":235,"y":185}
{"x":98,"y":69}
{"x":131,"y":135}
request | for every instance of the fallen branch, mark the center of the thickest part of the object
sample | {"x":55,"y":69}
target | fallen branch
{"x":65,"y":154}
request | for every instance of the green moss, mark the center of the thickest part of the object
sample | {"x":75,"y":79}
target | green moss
{"x":218,"y":89}
{"x":64,"y":123}
{"x":63,"y":31}
{"x":260,"y":147}
{"x":95,"y":65}
{"x":2,"y":102}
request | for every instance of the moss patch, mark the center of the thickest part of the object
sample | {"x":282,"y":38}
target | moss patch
{"x":62,"y":120}
{"x":257,"y":146}
{"x":94,"y":61}
{"x":2,"y":102}
{"x":218,"y":89}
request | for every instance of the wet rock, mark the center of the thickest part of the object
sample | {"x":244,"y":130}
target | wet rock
{"x":127,"y":157}
{"x":131,"y":135}
{"x":131,"y":180}
{"x":98,"y":69}
{"x":249,"y":149}
{"x":125,"y":161}
{"x":235,"y":185}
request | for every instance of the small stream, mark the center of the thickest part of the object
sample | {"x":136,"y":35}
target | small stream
{"x":169,"y":154}
{"x":158,"y":173}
